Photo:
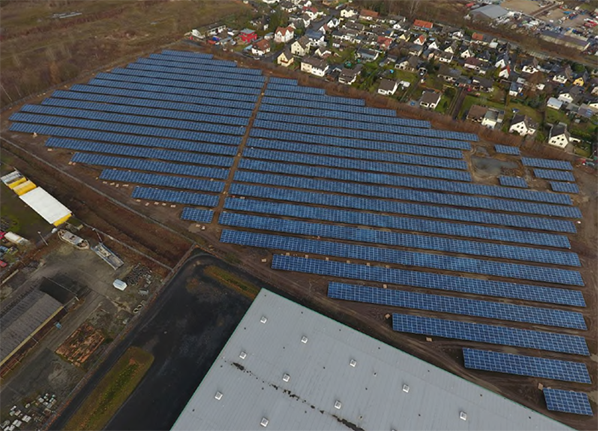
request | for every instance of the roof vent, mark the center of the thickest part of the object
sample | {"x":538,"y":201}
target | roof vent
{"x":337,"y":405}
{"x":353,"y":363}
{"x":218,"y":396}
{"x":286,"y":377}
{"x":264,"y":319}
{"x":463,"y":416}
{"x":405,"y":388}
{"x":242,"y":355}
{"x":304,"y":339}
{"x":264,"y":422}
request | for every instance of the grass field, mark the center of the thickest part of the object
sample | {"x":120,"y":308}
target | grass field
{"x":232,"y":281}
{"x":112,"y":391}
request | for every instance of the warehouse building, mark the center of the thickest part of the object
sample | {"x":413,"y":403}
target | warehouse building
{"x":287,"y":367}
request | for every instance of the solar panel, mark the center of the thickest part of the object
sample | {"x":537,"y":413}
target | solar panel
{"x":505,"y":149}
{"x":491,"y":334}
{"x":149,"y":165}
{"x":315,"y":97}
{"x":189,"y":54}
{"x":284,"y":81}
{"x":547,"y":163}
{"x":140,"y":152}
{"x":226,"y":72}
{"x":190,"y":57}
{"x":406,"y":258}
{"x":162,"y":180}
{"x":271,"y":100}
{"x":521,"y":365}
{"x":394,"y":193}
{"x":456,"y":305}
{"x":512,"y":182}
{"x":378,"y":205}
{"x":295,"y":88}
{"x":199,"y":62}
{"x":564,"y":187}
{"x":415,"y":224}
{"x":197,"y":215}
{"x":175,"y":196}
{"x":559,"y":400}
{"x":554,"y":175}
{"x":428,"y":280}
{"x":400,"y":239}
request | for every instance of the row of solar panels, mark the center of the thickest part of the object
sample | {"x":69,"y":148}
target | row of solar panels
{"x":295,"y":89}
{"x":319,"y":98}
{"x":66,"y":98}
{"x":150,"y":166}
{"x":197,"y":215}
{"x":505,"y":149}
{"x":554,"y":175}
{"x":547,"y":163}
{"x":377,"y":205}
{"x":40,"y":120}
{"x":281,"y":125}
{"x":564,"y":187}
{"x":284,"y":81}
{"x":272,"y":100}
{"x":414,"y":224}
{"x":296,"y":147}
{"x":176,"y":196}
{"x":366,"y":125}
{"x":512,"y":182}
{"x":189,"y":54}
{"x":406,"y":258}
{"x":408,"y":240}
{"x":205,"y":63}
{"x":140,"y":152}
{"x":559,"y":400}
{"x":457,"y":305}
{"x":162,"y":180}
{"x":399,"y":194}
{"x":428,"y":280}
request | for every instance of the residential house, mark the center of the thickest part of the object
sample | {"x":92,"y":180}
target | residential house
{"x":247,"y":35}
{"x":270,"y":2}
{"x":387,"y":87}
{"x":414,"y":49}
{"x":559,"y":136}
{"x":530,"y":66}
{"x":523,"y":125}
{"x":419,"y":24}
{"x":420,"y":40}
{"x":366,"y":54}
{"x":448,"y":74}
{"x":384,"y":42}
{"x":484,"y":57}
{"x":368,"y":15}
{"x":476,"y":113}
{"x":300,"y":47}
{"x":288,"y":7}
{"x":349,"y":76}
{"x":409,"y":64}
{"x":388,"y":61}
{"x":472,"y":63}
{"x":584,"y":111}
{"x":570,"y":94}
{"x":260,"y":23}
{"x":322,"y":52}
{"x":312,"y":12}
{"x":505,"y":72}
{"x":482,"y":84}
{"x":467,"y":53}
{"x":284,"y":34}
{"x":315,"y":66}
{"x":493,"y":118}
{"x":581,"y":79}
{"x":444,"y":57}
{"x":306,"y":19}
{"x":515,"y":89}
{"x":433,"y":45}
{"x":481,"y":39}
{"x":450,"y":47}
{"x":429,"y":99}
{"x":348,"y":13}
{"x":554,"y":103}
{"x":563,"y":74}
{"x":285,"y":58}
{"x":502,"y":61}
{"x":315,"y":38}
{"x":260,"y":48}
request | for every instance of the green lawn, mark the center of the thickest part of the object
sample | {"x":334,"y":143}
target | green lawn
{"x":553,"y":116}
{"x":484,"y":101}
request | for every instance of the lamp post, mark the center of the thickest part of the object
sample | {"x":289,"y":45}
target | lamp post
{"x":43,"y":239}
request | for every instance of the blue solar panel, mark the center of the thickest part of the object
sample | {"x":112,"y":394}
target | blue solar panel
{"x":564,"y":187}
{"x":456,"y":305}
{"x":365,"y":125}
{"x":326,"y":113}
{"x":181,"y":97}
{"x":328,"y":106}
{"x":512,"y":182}
{"x":406,"y":258}
{"x":175,"y":196}
{"x":191,"y":57}
{"x":505,"y":149}
{"x":150,"y":111}
{"x":402,"y":223}
{"x":226,"y":72}
{"x":126,"y":128}
{"x":64,"y":98}
{"x":297,"y":147}
{"x":554,"y":175}
{"x":360,"y":134}
{"x":178,"y":81}
{"x":428,"y":280}
{"x":547,"y":163}
{"x":521,"y":365}
{"x":559,"y":400}
{"x":315,"y":98}
{"x":402,"y":208}
{"x":283,"y":81}
{"x":149,"y":165}
{"x":490,"y":334}
{"x":295,"y":88}
{"x":197,"y":215}
{"x":400,"y":239}
{"x":188,"y":54}
{"x":394,"y":193}
{"x":209,"y":64}
{"x":162,"y":180}
{"x":140,"y":152}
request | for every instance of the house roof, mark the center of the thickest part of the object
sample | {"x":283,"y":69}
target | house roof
{"x":388,"y":85}
{"x":430,"y":97}
{"x":262,"y":45}
{"x":559,"y":129}
{"x":529,"y":123}
{"x":318,"y":63}
{"x":477,"y":112}
{"x":423,"y":24}
{"x":490,"y":11}
{"x":370,"y":13}
{"x":284,"y":30}
{"x":287,"y":54}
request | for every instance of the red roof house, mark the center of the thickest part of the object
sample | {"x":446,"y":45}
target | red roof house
{"x":424,"y":25}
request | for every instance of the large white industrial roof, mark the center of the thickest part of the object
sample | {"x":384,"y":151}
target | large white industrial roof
{"x":289,"y":366}
{"x":45,"y":205}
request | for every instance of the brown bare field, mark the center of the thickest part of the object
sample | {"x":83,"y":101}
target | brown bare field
{"x":525,"y":6}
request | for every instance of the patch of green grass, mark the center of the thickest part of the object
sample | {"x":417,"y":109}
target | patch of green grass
{"x":232,"y":281}
{"x":112,"y":391}
{"x":554,"y":117}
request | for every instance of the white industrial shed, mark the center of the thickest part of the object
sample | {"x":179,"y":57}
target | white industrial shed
{"x":289,"y":368}
{"x":47,"y":206}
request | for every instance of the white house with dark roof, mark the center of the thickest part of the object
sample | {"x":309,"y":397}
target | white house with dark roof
{"x":315,"y":66}
{"x":559,"y":136}
{"x":388,"y":87}
{"x":523,"y":125}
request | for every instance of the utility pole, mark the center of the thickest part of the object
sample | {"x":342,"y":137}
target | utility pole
{"x":43,"y":239}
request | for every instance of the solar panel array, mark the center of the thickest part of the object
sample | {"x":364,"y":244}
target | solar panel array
{"x":512,"y":182}
{"x":284,"y":81}
{"x":455,"y":305}
{"x":559,"y":400}
{"x":315,"y":97}
{"x":554,"y":175}
{"x":564,"y":187}
{"x":175,"y":196}
{"x":295,"y":88}
{"x":197,"y":215}
{"x":203,"y":69}
{"x":505,"y":149}
{"x":491,"y":334}
{"x":271,"y":100}
{"x":402,"y":223}
{"x":162,"y":180}
{"x":400,"y":239}
{"x":428,"y":280}
{"x":547,"y":163}
{"x":521,"y":365}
